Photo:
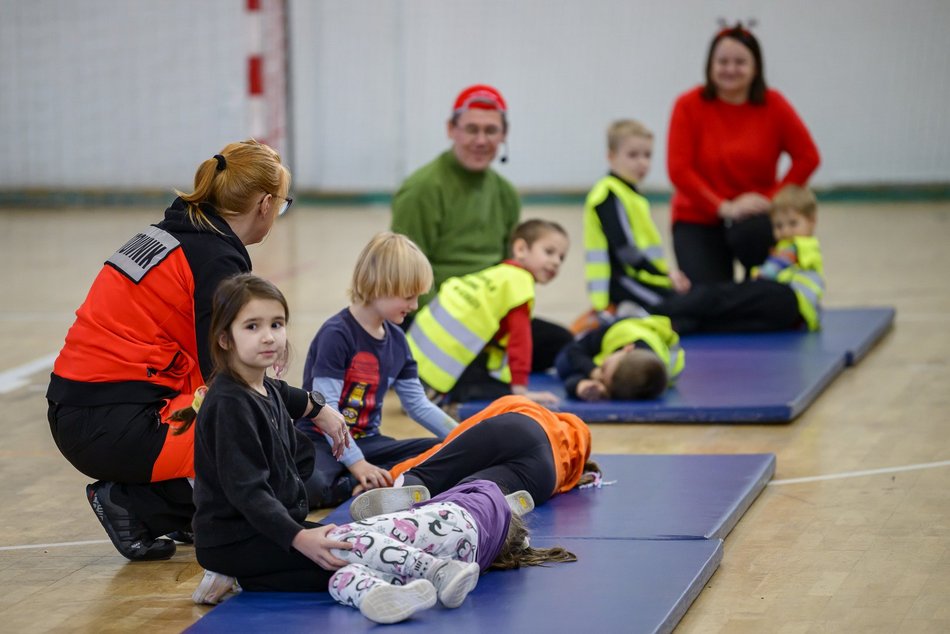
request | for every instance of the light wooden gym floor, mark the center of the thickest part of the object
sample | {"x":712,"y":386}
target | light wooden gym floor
{"x":844,"y":552}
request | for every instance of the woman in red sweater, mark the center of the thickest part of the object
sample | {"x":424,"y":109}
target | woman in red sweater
{"x":724,"y":145}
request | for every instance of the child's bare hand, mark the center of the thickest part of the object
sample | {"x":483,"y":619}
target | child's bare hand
{"x":370,"y":476}
{"x":315,"y":545}
{"x":591,"y":390}
{"x":681,"y":283}
{"x":548,"y":399}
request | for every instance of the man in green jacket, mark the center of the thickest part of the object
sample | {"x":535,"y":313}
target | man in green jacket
{"x":461,"y":212}
{"x":457,"y":208}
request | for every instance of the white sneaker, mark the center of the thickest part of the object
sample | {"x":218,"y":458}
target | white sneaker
{"x":520,"y":502}
{"x":387,"y":500}
{"x":392,"y":604}
{"x":214,"y":588}
{"x":454,"y":581}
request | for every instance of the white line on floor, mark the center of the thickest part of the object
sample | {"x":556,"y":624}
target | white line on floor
{"x":17,"y":377}
{"x":858,"y":474}
{"x":57,"y":544}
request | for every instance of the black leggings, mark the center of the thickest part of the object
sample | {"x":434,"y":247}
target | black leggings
{"x":120,"y":443}
{"x":756,"y":306}
{"x":705,"y":253}
{"x":331,"y":482}
{"x":260,"y":565}
{"x":477,"y":384}
{"x":512,"y":450}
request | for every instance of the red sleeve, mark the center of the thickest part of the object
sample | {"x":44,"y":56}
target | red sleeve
{"x":517,"y":323}
{"x":681,"y":153}
{"x":797,"y":142}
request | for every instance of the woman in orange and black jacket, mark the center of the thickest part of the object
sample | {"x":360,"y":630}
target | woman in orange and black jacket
{"x":138,"y":349}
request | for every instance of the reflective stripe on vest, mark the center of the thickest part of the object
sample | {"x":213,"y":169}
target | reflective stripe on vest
{"x":450,"y":332}
{"x":640,"y":229}
{"x":806,"y":278}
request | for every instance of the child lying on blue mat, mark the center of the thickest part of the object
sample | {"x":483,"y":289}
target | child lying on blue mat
{"x":629,"y":359}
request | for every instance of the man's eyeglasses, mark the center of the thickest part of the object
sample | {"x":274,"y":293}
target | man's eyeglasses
{"x":490,"y":131}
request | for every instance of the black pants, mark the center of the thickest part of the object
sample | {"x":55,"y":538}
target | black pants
{"x":260,"y":565}
{"x":756,"y":306}
{"x":547,"y":339}
{"x":477,"y":384}
{"x":120,"y":443}
{"x":331,"y":482}
{"x":705,"y":253}
{"x":512,"y":450}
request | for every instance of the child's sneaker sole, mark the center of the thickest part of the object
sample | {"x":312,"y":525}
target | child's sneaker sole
{"x":520,"y":502}
{"x":387,"y":500}
{"x":392,"y":604}
{"x":455,"y":591}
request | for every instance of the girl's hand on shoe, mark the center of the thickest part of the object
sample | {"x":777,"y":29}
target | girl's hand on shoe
{"x":316,"y":546}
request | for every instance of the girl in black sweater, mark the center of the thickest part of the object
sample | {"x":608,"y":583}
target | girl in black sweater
{"x":251,"y":464}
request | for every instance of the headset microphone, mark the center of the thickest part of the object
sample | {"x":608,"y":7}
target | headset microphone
{"x":504,"y":154}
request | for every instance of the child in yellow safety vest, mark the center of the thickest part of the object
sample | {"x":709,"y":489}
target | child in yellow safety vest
{"x":473,"y":340}
{"x":630,"y":359}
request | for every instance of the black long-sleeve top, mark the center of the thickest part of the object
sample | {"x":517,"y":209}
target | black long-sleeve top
{"x":250,"y":464}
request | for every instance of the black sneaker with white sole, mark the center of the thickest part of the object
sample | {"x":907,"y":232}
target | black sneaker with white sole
{"x":128,"y":533}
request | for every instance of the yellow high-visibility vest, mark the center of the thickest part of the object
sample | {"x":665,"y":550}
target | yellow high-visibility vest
{"x":656,"y":331}
{"x":645,"y":235}
{"x":452,"y":329}
{"x":805,"y":276}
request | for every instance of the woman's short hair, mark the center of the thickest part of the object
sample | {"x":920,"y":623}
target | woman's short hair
{"x":390,"y":265}
{"x":744,"y":36}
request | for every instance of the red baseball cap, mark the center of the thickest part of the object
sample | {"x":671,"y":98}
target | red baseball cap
{"x":481,"y":96}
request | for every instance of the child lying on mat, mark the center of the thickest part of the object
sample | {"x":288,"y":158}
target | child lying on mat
{"x":402,"y":561}
{"x":629,"y":359}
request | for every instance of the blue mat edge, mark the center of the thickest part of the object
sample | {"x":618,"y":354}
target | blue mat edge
{"x":751,"y":494}
{"x":693,"y":590}
{"x":853,"y":357}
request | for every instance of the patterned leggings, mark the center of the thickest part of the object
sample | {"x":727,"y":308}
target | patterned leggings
{"x":397,"y":547}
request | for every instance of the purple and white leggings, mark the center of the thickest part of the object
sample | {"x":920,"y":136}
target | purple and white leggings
{"x":397,"y":547}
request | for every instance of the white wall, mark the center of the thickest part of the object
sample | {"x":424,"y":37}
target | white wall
{"x":134,"y":93}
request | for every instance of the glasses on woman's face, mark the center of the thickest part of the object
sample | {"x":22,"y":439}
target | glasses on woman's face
{"x":284,"y":206}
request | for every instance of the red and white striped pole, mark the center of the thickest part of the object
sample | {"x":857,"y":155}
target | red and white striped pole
{"x":257,"y":123}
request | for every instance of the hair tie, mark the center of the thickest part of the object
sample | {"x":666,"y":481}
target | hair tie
{"x":221,"y":162}
{"x":199,"y":398}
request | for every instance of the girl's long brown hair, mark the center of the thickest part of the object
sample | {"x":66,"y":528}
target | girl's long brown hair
{"x":515,"y":552}
{"x":231,"y":296}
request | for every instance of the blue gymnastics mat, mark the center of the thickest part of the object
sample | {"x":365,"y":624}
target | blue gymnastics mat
{"x":717,"y":386}
{"x":848,"y":331}
{"x":656,"y":496}
{"x":742,"y":378}
{"x":616,"y":585}
{"x":659,"y":496}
